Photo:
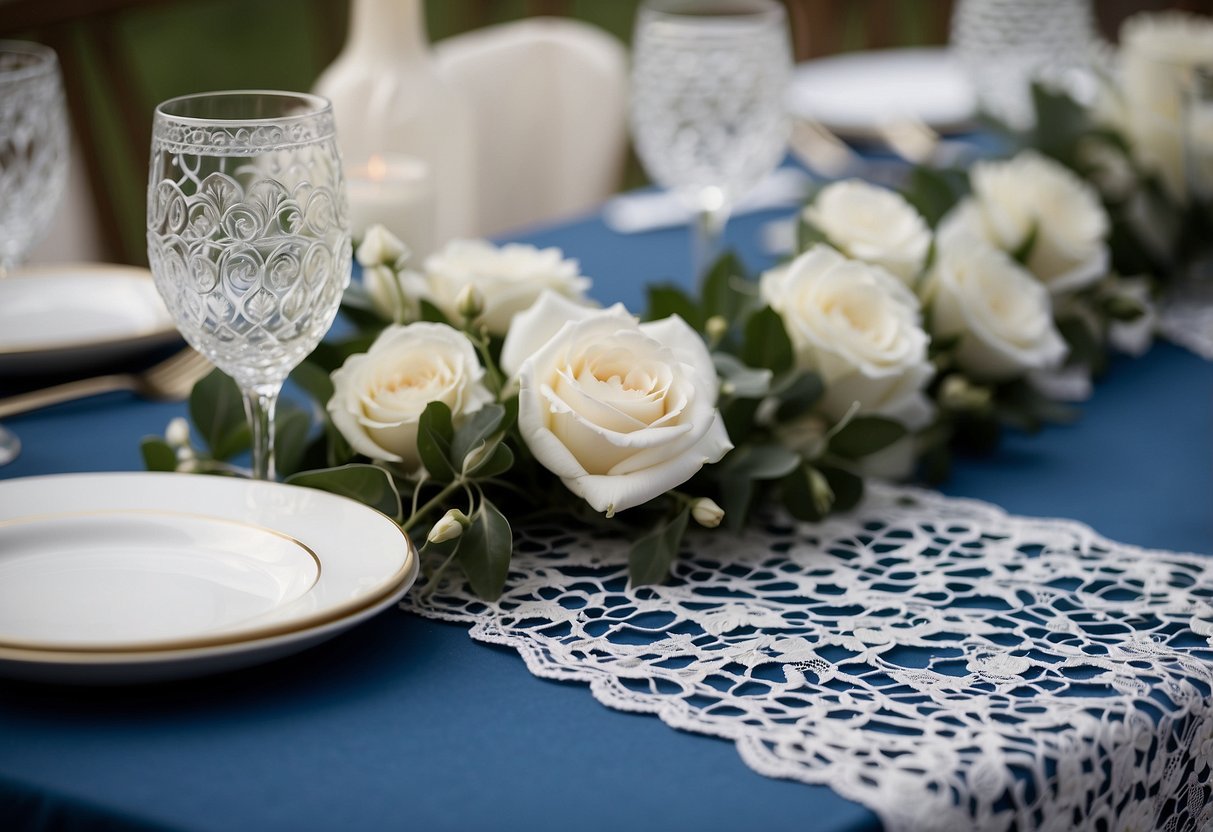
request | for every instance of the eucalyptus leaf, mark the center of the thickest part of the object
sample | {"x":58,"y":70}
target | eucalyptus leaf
{"x":766,"y":342}
{"x":368,"y":484}
{"x":738,"y":415}
{"x":736,"y":494}
{"x":741,"y":381}
{"x":1122,"y":308}
{"x":798,"y":497}
{"x":158,"y":455}
{"x":217,"y":411}
{"x":865,"y":435}
{"x":434,"y":436}
{"x":847,"y":487}
{"x":758,"y":462}
{"x":431,"y":313}
{"x":651,"y":556}
{"x":797,"y":393}
{"x":484,"y":551}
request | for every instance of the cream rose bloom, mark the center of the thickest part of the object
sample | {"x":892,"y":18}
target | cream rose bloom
{"x":1030,"y":194}
{"x":854,"y":324}
{"x":621,"y":411}
{"x":871,"y":223}
{"x":1004,"y":316}
{"x":510,"y":278}
{"x":1158,"y":53}
{"x":379,"y":395}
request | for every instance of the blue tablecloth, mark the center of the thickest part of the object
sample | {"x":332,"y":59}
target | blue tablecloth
{"x":406,"y":723}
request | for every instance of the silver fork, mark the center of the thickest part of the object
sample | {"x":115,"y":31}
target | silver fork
{"x":171,"y":379}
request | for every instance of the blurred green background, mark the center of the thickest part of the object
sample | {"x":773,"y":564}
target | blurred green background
{"x":121,"y":57}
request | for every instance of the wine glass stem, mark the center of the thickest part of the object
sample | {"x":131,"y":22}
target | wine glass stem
{"x":259,"y":405}
{"x":708,"y":236}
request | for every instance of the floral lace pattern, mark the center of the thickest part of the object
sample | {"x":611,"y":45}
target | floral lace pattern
{"x":945,"y":664}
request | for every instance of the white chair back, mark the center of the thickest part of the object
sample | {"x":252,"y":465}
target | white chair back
{"x":550,"y":96}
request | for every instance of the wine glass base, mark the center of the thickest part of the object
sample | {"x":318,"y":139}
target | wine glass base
{"x":10,"y":446}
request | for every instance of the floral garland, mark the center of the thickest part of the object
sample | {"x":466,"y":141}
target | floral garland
{"x":485,"y":384}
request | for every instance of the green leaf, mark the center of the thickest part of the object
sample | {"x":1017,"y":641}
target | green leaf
{"x":766,"y":342}
{"x":314,"y":380}
{"x":434,"y":435}
{"x":217,"y":410}
{"x":1122,"y":308}
{"x":738,"y":415}
{"x":758,"y":462}
{"x":651,"y":556}
{"x":740,"y":380}
{"x":484,"y":552}
{"x":808,"y":235}
{"x":666,"y":299}
{"x":847,"y":487}
{"x":721,"y":293}
{"x":1024,"y":250}
{"x":368,"y":484}
{"x":475,"y":431}
{"x":797,"y":394}
{"x":291,"y":427}
{"x":1085,"y":346}
{"x":866,"y":435}
{"x":799,"y":498}
{"x":935,"y":192}
{"x":431,"y":313}
{"x":158,"y":455}
{"x":736,"y":493}
{"x":1060,"y":123}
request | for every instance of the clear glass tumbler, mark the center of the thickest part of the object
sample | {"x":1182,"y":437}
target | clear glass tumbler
{"x":33,"y":158}
{"x":248,"y":236}
{"x":707,"y":113}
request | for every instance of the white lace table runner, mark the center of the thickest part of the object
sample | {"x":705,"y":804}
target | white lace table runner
{"x":943,"y":663}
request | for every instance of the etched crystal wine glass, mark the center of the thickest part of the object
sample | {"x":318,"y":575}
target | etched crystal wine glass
{"x":248,"y":236}
{"x":707,"y":114}
{"x":33,"y":158}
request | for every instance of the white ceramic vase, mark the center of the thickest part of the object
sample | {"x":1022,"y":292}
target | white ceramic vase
{"x":392,"y":109}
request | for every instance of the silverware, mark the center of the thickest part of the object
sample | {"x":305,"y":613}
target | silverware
{"x":171,"y":379}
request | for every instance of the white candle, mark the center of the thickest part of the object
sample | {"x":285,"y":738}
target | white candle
{"x":395,"y":191}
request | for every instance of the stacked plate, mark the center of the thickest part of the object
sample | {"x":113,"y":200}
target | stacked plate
{"x":131,"y":577}
{"x":71,"y":317}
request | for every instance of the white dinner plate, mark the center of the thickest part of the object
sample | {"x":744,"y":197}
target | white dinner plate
{"x":859,"y":94}
{"x":73,"y":316}
{"x":136,"y":562}
{"x":135,"y":667}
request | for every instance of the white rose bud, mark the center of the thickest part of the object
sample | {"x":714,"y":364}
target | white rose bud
{"x":381,"y":248}
{"x":509,"y":278}
{"x":469,"y":303}
{"x":716,"y":327}
{"x":448,"y":527}
{"x":621,"y":411}
{"x":821,"y":492}
{"x":379,"y":396}
{"x":874,"y":224}
{"x":177,"y":433}
{"x":854,"y":324}
{"x":1003,"y":315}
{"x":707,"y":513}
{"x":1032,"y":199}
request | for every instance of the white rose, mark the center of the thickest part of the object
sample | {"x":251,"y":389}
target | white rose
{"x":868,"y":222}
{"x":854,"y":324}
{"x":621,"y":411}
{"x":379,"y":395}
{"x":510,"y":278}
{"x":1004,"y":317}
{"x":1032,"y":197}
{"x":1159,"y":51}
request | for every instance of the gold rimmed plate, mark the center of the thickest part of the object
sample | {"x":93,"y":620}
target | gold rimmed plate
{"x":66,"y":317}
{"x":156,"y":564}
